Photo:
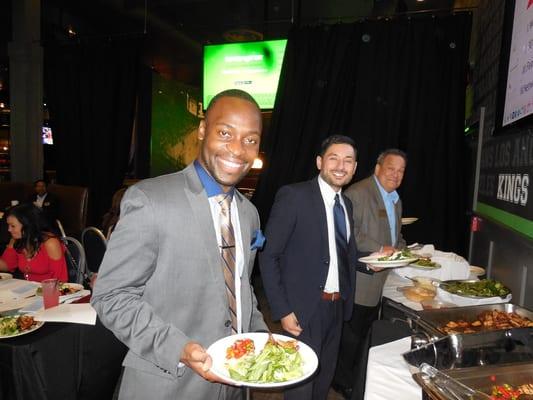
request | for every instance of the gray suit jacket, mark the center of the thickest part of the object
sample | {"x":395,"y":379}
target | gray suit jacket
{"x":161,"y":285}
{"x":372,"y":230}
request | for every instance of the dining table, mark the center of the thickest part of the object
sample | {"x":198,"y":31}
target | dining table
{"x":60,"y":360}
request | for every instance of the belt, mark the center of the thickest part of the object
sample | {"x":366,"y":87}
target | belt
{"x":331,"y":296}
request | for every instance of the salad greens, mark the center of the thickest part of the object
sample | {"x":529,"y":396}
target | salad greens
{"x":278,"y":362}
{"x":398,"y":255}
{"x":8,"y":326}
{"x":482,"y":288}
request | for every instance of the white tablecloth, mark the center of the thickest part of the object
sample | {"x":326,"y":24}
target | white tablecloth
{"x":453,"y":266}
{"x":388,"y":376}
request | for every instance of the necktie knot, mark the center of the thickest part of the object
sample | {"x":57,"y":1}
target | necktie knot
{"x":224,"y":200}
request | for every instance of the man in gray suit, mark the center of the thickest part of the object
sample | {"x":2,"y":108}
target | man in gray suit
{"x":162,"y":288}
{"x":377,"y":223}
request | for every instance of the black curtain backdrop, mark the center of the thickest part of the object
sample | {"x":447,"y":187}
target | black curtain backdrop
{"x":91,"y":91}
{"x":386,"y":83}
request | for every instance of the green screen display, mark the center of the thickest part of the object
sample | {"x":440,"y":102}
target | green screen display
{"x":253,"y":67}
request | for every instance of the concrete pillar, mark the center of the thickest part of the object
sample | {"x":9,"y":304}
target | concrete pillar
{"x":26,"y":91}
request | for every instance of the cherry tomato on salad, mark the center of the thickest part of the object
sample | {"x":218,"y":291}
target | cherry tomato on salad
{"x":240,"y":348}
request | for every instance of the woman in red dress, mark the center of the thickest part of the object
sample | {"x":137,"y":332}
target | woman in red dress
{"x":33,"y":248}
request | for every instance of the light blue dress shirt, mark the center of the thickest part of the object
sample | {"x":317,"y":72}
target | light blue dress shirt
{"x":390,"y":199}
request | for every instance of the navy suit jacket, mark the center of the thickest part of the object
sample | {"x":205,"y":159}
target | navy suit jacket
{"x":295,"y":260}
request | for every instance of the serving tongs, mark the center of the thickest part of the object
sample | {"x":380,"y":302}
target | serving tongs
{"x":449,"y":387}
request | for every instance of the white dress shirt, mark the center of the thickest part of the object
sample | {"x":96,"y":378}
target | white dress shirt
{"x":39,"y":200}
{"x":239,"y":254}
{"x":328,"y":196}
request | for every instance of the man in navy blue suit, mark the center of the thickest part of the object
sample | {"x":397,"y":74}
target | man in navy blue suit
{"x":309,"y":262}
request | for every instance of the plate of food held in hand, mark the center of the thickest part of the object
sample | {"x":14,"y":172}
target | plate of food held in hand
{"x":262,"y":360}
{"x":16,"y":325}
{"x":397,"y":259}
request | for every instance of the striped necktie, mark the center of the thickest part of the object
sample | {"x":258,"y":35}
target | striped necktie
{"x":227,"y":251}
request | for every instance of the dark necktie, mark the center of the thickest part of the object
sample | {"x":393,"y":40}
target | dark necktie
{"x":342,"y":245}
{"x":227,"y":251}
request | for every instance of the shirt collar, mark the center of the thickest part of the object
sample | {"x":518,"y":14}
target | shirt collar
{"x":327,"y":191}
{"x":392,"y":196}
{"x":212,"y":187}
{"x":43,"y":196}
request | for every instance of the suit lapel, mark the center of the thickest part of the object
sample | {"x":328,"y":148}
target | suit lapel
{"x":201,"y":210}
{"x":320,"y":209}
{"x":381,"y":209}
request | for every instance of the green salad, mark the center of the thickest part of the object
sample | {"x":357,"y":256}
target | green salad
{"x":277,"y":362}
{"x":482,"y":288}
{"x":8,"y":326}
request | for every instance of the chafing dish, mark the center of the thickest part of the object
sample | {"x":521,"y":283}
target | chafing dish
{"x":481,"y":379}
{"x":475,"y":349}
{"x":426,"y":324}
{"x":433,"y":320}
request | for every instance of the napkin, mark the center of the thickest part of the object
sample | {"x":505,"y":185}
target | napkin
{"x":74,"y":313}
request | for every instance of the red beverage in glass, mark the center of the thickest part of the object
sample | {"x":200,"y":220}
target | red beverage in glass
{"x":50,"y":292}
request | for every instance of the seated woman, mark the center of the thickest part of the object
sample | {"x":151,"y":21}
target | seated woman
{"x":33,"y":248}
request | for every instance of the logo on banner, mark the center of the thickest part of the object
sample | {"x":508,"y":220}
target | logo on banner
{"x":513,"y":188}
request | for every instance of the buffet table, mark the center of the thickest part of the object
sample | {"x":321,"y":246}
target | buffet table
{"x":388,"y":374}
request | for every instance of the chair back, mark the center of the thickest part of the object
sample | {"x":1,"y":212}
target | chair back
{"x":75,"y":257}
{"x":95,"y":245}
{"x":72,"y":210}
{"x":61,"y":229}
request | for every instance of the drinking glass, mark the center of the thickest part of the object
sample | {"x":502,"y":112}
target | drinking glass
{"x":50,"y":292}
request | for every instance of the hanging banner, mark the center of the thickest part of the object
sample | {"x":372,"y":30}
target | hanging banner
{"x":506,"y":181}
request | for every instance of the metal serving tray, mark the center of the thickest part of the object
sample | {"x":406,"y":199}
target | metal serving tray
{"x":482,"y":378}
{"x":475,"y":349}
{"x":432,"y":320}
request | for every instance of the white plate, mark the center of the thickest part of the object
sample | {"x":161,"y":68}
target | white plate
{"x":409,"y":220}
{"x":217,"y":351}
{"x":387,"y":264}
{"x":477,"y":271}
{"x":36,"y":325}
{"x":425,"y":267}
{"x":5,"y":275}
{"x":74,"y":286}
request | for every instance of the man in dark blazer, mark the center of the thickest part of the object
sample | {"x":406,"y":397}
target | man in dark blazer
{"x":46,"y":201}
{"x":377,"y":215}
{"x":308,"y":278}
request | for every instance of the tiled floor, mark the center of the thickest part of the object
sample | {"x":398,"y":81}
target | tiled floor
{"x":276,"y":328}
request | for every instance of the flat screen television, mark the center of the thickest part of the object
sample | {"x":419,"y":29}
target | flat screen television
{"x":516,"y":71}
{"x":251,"y":66}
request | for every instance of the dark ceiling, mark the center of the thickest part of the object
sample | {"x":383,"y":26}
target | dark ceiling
{"x":215,"y":21}
{"x":177,"y":29}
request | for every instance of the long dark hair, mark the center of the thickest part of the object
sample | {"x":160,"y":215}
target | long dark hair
{"x":35,"y":227}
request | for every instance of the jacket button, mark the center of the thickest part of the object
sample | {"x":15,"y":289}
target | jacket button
{"x":326,"y":262}
{"x":227,"y":324}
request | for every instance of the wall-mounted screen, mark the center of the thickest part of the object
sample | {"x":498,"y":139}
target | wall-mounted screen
{"x":47,"y":135}
{"x":252,"y":66}
{"x":518,"y":101}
